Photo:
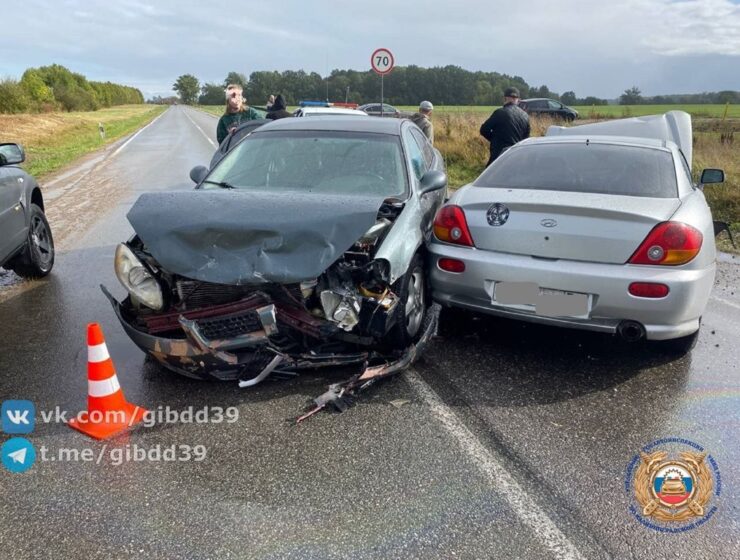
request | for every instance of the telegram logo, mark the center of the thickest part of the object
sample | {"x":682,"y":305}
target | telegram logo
{"x":18,"y":454}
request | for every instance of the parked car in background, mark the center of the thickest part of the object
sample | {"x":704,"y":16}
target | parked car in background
{"x":555,"y":109}
{"x":597,"y":227}
{"x":373,"y":109}
{"x":325,"y":108}
{"x":26,"y":244}
{"x":303,"y":247}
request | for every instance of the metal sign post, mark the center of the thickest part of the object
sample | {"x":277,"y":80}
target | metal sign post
{"x":382,"y":62}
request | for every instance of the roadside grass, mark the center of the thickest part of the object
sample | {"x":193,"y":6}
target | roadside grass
{"x":53,"y":140}
{"x":465,"y":152}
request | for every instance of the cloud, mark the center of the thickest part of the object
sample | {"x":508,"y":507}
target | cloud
{"x":570,"y":44}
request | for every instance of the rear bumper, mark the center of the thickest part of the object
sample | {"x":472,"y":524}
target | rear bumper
{"x":673,"y":316}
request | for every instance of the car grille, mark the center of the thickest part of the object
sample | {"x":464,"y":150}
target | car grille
{"x":219,"y":328}
{"x":194,"y":294}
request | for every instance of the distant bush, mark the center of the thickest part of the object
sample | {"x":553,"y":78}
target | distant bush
{"x":55,"y":87}
{"x":13,"y":98}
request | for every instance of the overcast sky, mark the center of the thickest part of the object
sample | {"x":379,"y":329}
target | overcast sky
{"x":593,"y":48}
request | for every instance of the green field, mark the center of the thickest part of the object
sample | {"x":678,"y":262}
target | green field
{"x":53,"y":140}
{"x":606,"y":111}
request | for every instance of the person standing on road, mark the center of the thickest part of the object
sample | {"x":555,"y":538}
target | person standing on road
{"x":506,"y":126}
{"x":423,"y":121}
{"x":270,"y":102}
{"x":236,"y":113}
{"x":278,"y":111}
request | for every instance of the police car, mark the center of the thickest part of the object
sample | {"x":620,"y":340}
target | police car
{"x":324,"y":108}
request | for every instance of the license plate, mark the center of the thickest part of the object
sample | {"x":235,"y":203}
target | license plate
{"x":528,"y":296}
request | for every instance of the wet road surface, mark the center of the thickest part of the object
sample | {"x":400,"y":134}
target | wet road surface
{"x":506,"y":440}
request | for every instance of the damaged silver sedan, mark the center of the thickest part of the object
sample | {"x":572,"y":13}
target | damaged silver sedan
{"x":303,"y":247}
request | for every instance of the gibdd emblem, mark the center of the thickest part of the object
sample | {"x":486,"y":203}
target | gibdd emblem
{"x":672,"y":488}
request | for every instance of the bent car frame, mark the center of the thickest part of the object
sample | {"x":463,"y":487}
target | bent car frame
{"x":303,"y":247}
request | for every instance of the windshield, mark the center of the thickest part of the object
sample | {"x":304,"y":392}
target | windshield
{"x":585,"y":167}
{"x":314,"y":161}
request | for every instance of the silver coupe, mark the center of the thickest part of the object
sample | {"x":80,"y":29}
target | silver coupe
{"x":598,"y":227}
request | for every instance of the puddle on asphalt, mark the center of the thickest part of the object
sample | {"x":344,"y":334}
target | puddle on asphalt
{"x":9,"y":278}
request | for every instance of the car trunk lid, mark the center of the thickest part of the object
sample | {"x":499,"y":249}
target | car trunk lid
{"x":562,"y":225}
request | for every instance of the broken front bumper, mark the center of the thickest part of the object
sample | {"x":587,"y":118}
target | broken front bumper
{"x":248,"y":356}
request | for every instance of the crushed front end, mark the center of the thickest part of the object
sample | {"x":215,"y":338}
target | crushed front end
{"x":247,"y":331}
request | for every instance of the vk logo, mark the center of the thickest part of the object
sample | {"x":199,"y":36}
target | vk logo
{"x":18,"y":454}
{"x":19,"y":417}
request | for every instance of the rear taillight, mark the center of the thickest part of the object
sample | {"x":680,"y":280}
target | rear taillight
{"x":648,"y":289}
{"x":669,"y":243}
{"x":451,"y":265}
{"x":450,"y":226}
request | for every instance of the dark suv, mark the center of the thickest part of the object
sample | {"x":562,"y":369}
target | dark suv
{"x":542,"y":106}
{"x":26,"y":245}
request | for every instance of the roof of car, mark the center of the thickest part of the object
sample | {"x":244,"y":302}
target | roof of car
{"x":332,"y":110}
{"x":339,"y":123}
{"x":540,"y":99}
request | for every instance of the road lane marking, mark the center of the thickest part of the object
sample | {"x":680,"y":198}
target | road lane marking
{"x":127,"y":142}
{"x":201,"y":130}
{"x":543,"y":528}
{"x":726,"y":301}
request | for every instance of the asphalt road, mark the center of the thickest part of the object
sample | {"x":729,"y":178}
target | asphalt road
{"x":505,"y":441}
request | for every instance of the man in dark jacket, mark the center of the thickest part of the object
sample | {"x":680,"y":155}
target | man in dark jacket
{"x":506,"y":126}
{"x":236,"y":113}
{"x":277,"y":111}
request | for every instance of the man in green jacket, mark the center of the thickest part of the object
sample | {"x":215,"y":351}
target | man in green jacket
{"x":237,"y":111}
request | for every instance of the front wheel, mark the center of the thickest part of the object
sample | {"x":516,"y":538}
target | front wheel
{"x":412,"y":306}
{"x":37,"y":257}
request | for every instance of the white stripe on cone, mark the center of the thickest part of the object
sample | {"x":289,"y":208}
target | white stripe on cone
{"x":104,"y":387}
{"x":97,"y":353}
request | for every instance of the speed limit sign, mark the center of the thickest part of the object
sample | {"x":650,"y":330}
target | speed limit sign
{"x":382,"y":61}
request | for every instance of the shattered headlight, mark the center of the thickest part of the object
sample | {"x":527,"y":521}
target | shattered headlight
{"x":137,"y":279}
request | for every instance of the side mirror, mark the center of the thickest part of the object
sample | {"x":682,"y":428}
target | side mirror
{"x":198,"y":173}
{"x":709,"y":176}
{"x":432,"y":181}
{"x":11,"y":154}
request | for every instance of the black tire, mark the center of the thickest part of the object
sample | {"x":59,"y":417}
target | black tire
{"x":413,"y":306}
{"x":37,"y":257}
{"x":678,"y":346}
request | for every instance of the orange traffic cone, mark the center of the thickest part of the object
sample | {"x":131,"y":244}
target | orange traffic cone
{"x":108,"y":411}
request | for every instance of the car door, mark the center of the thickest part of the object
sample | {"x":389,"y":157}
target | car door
{"x":419,"y":146}
{"x":556,"y":109}
{"x":12,"y":211}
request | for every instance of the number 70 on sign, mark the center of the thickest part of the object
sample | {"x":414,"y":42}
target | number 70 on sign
{"x":382,"y":61}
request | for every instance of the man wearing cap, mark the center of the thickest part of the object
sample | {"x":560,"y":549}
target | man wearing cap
{"x":422,"y":120}
{"x":506,"y":126}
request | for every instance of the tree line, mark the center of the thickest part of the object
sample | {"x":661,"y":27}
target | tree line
{"x":633,"y":96}
{"x":406,"y":85}
{"x":54,"y":88}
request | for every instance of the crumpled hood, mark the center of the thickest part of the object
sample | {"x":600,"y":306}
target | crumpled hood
{"x":233,"y":237}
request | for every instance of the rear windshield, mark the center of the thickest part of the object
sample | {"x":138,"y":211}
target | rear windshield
{"x":588,"y":168}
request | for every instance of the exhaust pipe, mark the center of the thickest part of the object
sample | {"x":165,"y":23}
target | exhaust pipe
{"x":631,"y":331}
